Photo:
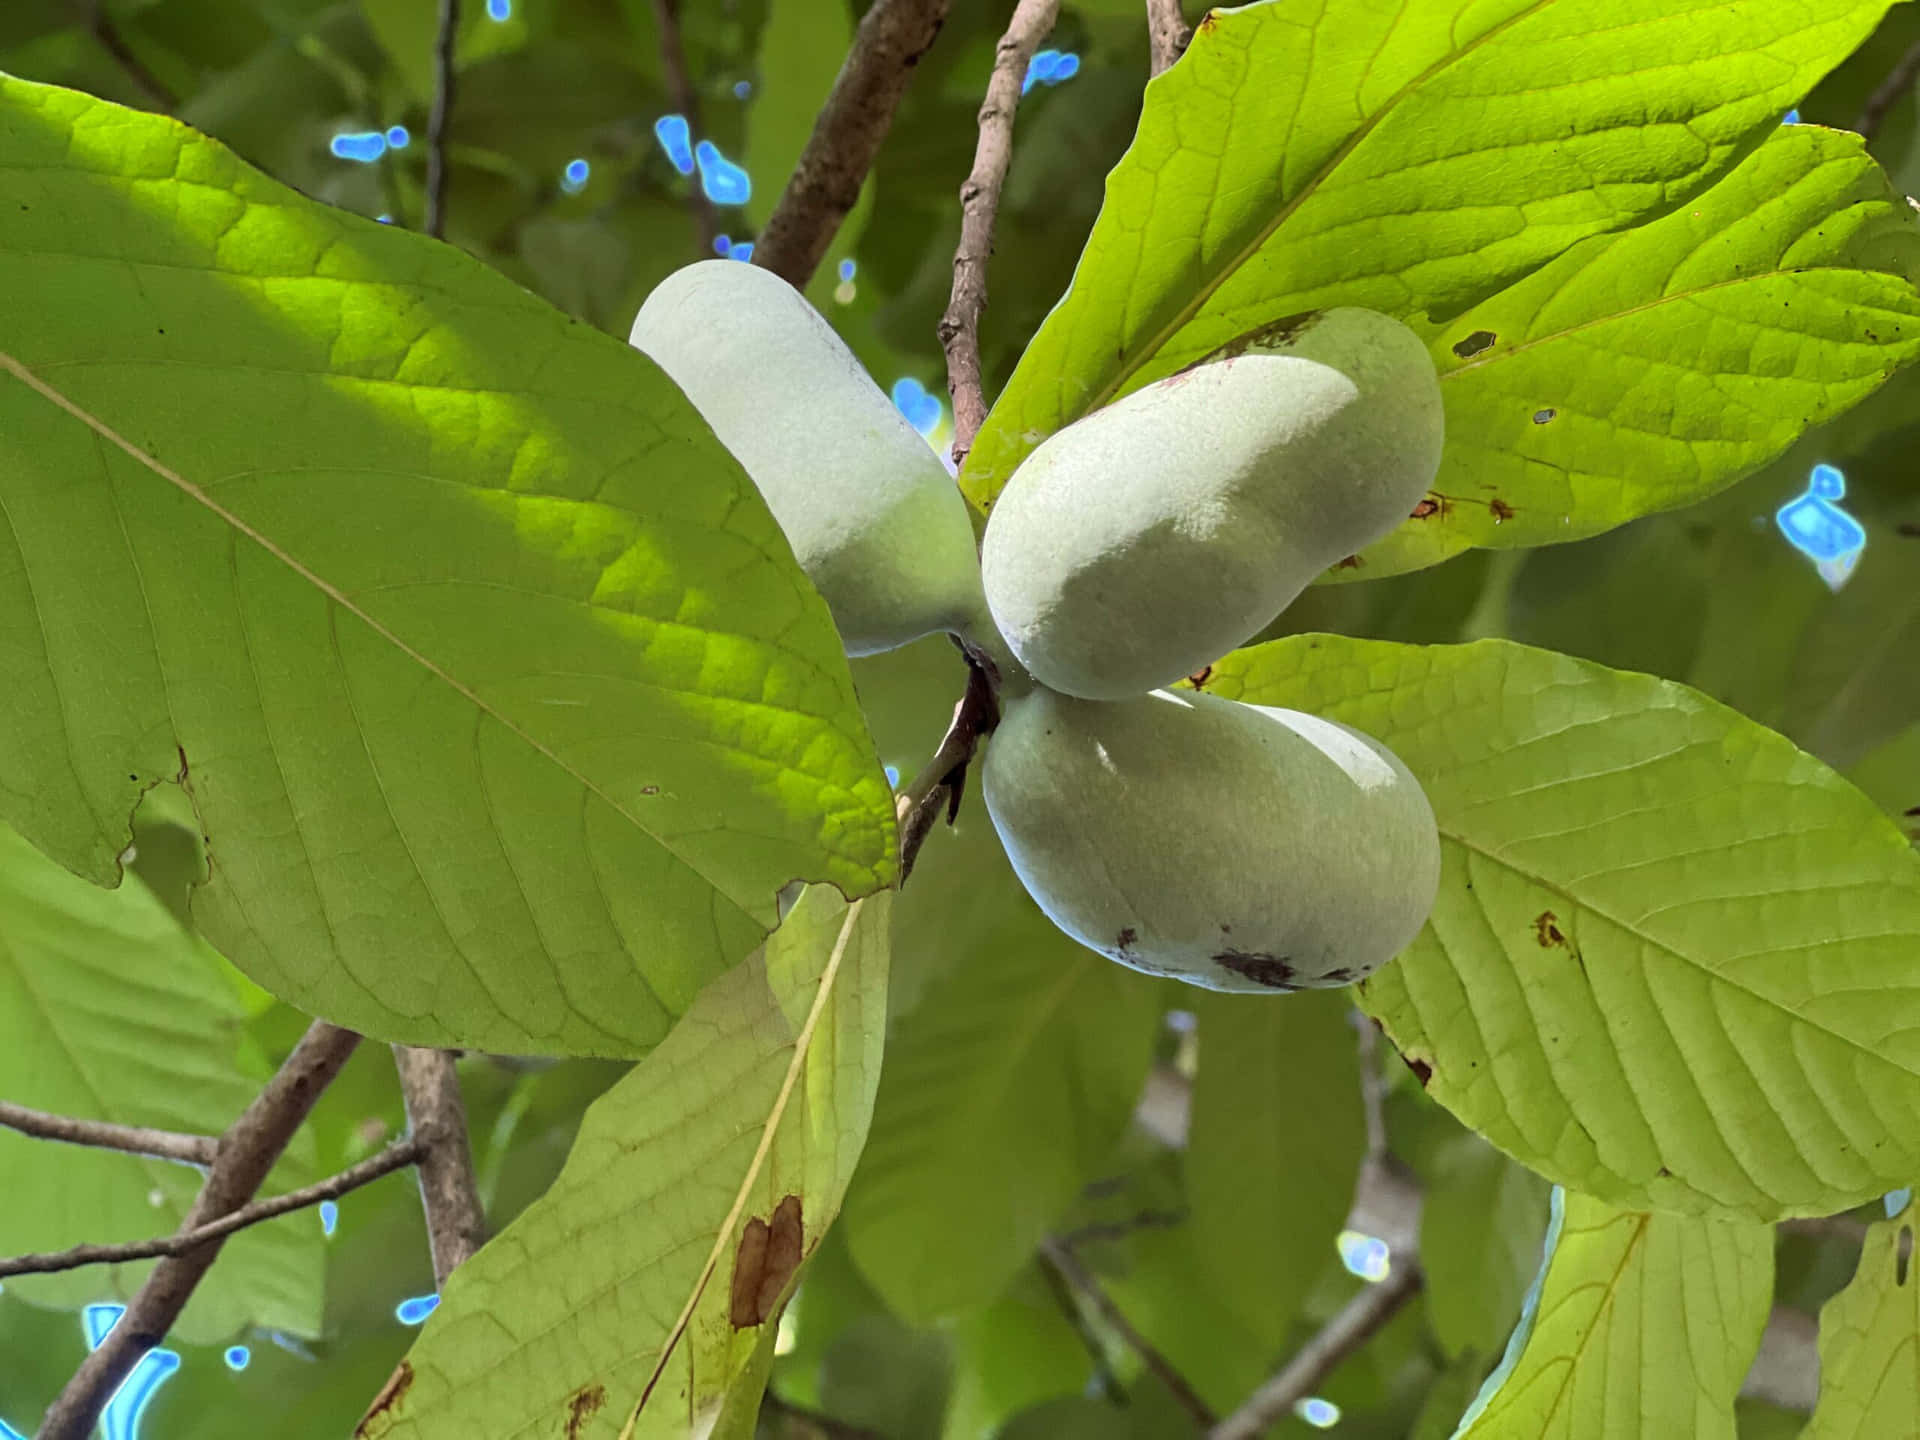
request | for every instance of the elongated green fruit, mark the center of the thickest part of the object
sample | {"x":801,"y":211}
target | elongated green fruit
{"x":1232,"y":846}
{"x":1149,"y":539}
{"x":872,"y":516}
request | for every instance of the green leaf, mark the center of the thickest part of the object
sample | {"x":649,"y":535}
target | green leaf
{"x":1481,"y":1227}
{"x":1645,"y":1324}
{"x":1270,"y":1172}
{"x":632,"y":1284}
{"x":110,"y":1011}
{"x":1870,"y":1343}
{"x":1409,"y":158}
{"x":1018,"y":1352}
{"x":1673,"y":960}
{"x":1644,"y":371}
{"x":1005,"y":1090}
{"x":504,"y":707}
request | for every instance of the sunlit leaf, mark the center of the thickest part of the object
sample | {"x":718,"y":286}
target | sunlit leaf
{"x":1870,"y":1343}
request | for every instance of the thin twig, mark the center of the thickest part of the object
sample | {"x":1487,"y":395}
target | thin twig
{"x":1373,"y":1084}
{"x":115,"y":44}
{"x":818,"y":1420}
{"x":440,"y":121}
{"x":1053,"y":1253}
{"x":979,"y":204}
{"x":1104,"y":1381}
{"x":1167,"y":32}
{"x":396,"y":1156}
{"x":1120,"y":1229}
{"x":247,"y":1152}
{"x":449,"y":1188}
{"x":1889,"y":93}
{"x":889,"y":42}
{"x":1356,"y":1323}
{"x":102,"y":1135}
{"x":939,"y":784}
{"x":686,"y":99}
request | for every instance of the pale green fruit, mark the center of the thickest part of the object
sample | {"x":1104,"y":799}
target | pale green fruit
{"x":873,"y":517}
{"x":1145,"y":541}
{"x":1232,"y":846}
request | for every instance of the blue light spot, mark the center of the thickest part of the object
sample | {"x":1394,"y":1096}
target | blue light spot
{"x":1365,"y":1256}
{"x":398,"y":138}
{"x":893,"y":776}
{"x":1792,"y":117}
{"x":675,"y":138}
{"x":238,"y":1357}
{"x":361,"y":146}
{"x":416,"y":1310}
{"x":741,"y":250}
{"x":1819,"y":529}
{"x":1182,"y":1022}
{"x":1050,"y":67}
{"x":725,"y":182}
{"x":1321,"y":1414}
{"x":329,"y":1210}
{"x":723,"y":245}
{"x":847,"y":269}
{"x":923,"y":411}
{"x":7,"y":1432}
{"x":121,"y":1419}
{"x":1897,"y":1200}
{"x":499,"y":9}
{"x":574,"y":178}
{"x":742,"y":89}
{"x":291,"y":1345}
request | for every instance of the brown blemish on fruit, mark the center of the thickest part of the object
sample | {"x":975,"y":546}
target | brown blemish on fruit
{"x":1502,"y":512}
{"x":767,"y":1256}
{"x":584,"y":1405}
{"x":1127,"y":937}
{"x":381,"y":1412}
{"x":1343,"y":975}
{"x":1273,"y":971}
{"x":1474,"y":344}
{"x":1352,"y":562}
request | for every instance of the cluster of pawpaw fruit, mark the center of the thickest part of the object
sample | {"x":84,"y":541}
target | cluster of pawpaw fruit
{"x":1233,"y":846}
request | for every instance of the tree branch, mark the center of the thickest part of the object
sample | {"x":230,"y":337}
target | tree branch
{"x":440,"y":121}
{"x":247,"y":1152}
{"x":395,"y":1156}
{"x":979,"y":205}
{"x":1356,"y":1323}
{"x":103,"y":1135}
{"x":892,"y":37}
{"x":449,"y":1190}
{"x":1076,"y":1275}
{"x":1167,"y":32}
{"x":686,"y":99}
{"x":115,"y":44}
{"x":1889,"y":93}
{"x":816,"y":1421}
{"x":941,"y":780}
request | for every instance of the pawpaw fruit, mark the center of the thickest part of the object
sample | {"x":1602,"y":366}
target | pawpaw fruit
{"x":1235,"y":847}
{"x":1145,"y":541}
{"x":871,"y":514}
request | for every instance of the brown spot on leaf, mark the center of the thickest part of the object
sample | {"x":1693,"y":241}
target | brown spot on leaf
{"x":1426,"y":507}
{"x":1275,"y":333}
{"x":1664,"y":1173}
{"x":1546,"y":930}
{"x":1127,"y":937}
{"x":1207,"y":23}
{"x":1352,"y":562}
{"x":1474,"y":344}
{"x":1199,"y":679}
{"x":1903,"y":1254}
{"x":1273,"y":971}
{"x":1908,"y":528}
{"x":1422,"y":1071}
{"x":1502,"y":511}
{"x":381,"y":1414}
{"x":649,"y":789}
{"x":768,"y":1255}
{"x":584,"y":1405}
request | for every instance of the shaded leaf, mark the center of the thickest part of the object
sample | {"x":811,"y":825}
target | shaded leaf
{"x":1870,"y":1343}
{"x":503,"y":704}
{"x":1673,"y":959}
{"x":1481,"y":1227}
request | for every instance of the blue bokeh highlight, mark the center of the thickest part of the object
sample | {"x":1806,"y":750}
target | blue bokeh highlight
{"x":740,"y":250}
{"x":1050,"y":67}
{"x":1321,"y":1414}
{"x":847,"y":269}
{"x":723,"y":245}
{"x":1365,"y":1255}
{"x":1818,"y":528}
{"x":1792,"y":117}
{"x":893,"y":776}
{"x":923,"y":411}
{"x":676,"y":138}
{"x":1897,"y":1200}
{"x":574,"y":178}
{"x":238,"y":1357}
{"x":725,"y":183}
{"x":742,"y":89}
{"x":363,"y":147}
{"x":121,"y":1419}
{"x":498,"y":10}
{"x":416,"y":1310}
{"x":329,"y":1210}
{"x":398,"y":137}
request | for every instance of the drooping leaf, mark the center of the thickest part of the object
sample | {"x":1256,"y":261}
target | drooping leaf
{"x":1020,"y":1351}
{"x":1644,"y":371}
{"x":652,"y":1275}
{"x":110,"y":1011}
{"x":1643,"y":1324}
{"x":1870,"y":1343}
{"x":503,"y":704}
{"x":1481,"y":1226}
{"x":1674,"y":960}
{"x":1409,"y":158}
{"x":1277,"y":1135}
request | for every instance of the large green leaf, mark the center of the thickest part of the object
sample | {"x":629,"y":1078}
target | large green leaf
{"x":1870,"y":1344}
{"x":1674,"y":962}
{"x":1271,"y":1173}
{"x":110,"y":1011}
{"x":1643,"y":371}
{"x":1643,"y":1325}
{"x":652,"y":1275}
{"x":1005,"y":1089}
{"x":1412,"y":158}
{"x":1481,"y":1226}
{"x":505,"y":709}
